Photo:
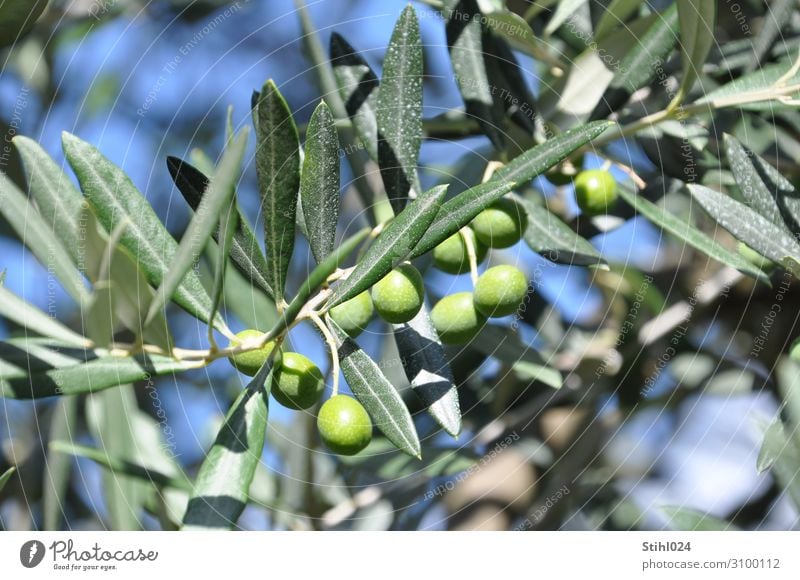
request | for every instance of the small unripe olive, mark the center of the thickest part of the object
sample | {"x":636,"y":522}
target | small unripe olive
{"x":595,"y":191}
{"x":249,"y":362}
{"x":451,"y":255}
{"x":501,"y":224}
{"x":354,"y":315}
{"x":398,"y":296}
{"x":500,"y":290}
{"x":344,"y":425}
{"x":297,"y":383}
{"x":455,"y":318}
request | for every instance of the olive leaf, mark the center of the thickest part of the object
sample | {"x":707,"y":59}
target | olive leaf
{"x":392,"y":246}
{"x":278,"y":171}
{"x":697,"y":20}
{"x":399,"y":111}
{"x":245,"y":251}
{"x":19,"y":311}
{"x":684,"y":231}
{"x":771,"y":241}
{"x":379,"y":397}
{"x":555,"y":240}
{"x":358,"y":87}
{"x":6,"y":476}
{"x":57,"y":466}
{"x":423,"y":358}
{"x":205,"y":221}
{"x":58,"y":201}
{"x":319,"y":184}
{"x":40,"y":238}
{"x":115,"y":200}
{"x":465,"y":41}
{"x":223,"y":484}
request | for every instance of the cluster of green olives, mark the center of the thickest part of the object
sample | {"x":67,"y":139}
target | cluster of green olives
{"x":297,"y":383}
{"x":344,"y":425}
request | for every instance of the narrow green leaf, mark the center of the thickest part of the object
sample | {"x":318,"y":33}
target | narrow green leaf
{"x":697,"y":19}
{"x":427,"y":369}
{"x":6,"y":476}
{"x":688,"y":520}
{"x":778,"y":15}
{"x":57,"y":467}
{"x":216,"y":200}
{"x":753,"y":189}
{"x":117,"y":465}
{"x":686,"y":232}
{"x":278,"y":169}
{"x":614,"y":15}
{"x":379,"y":397}
{"x":539,"y":159}
{"x":39,"y":237}
{"x":465,"y":35}
{"x":458,"y":212}
{"x":227,"y":227}
{"x":780,"y":452}
{"x":116,"y":200}
{"x":108,"y":416}
{"x":400,"y":111}
{"x":358,"y":87}
{"x":565,"y":9}
{"x":223,"y":483}
{"x":245,"y":249}
{"x":641,"y":64}
{"x":506,"y":75}
{"x":58,"y":201}
{"x":756,"y":81}
{"x":319,"y":185}
{"x":101,"y":371}
{"x":769,"y":240}
{"x":546,"y":234}
{"x":34,"y":320}
{"x":392,"y":246}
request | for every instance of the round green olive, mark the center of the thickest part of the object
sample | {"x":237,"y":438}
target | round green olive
{"x":297,"y":383}
{"x":501,"y":224}
{"x":398,"y":296}
{"x":595,"y":191}
{"x":249,"y":362}
{"x":500,"y":290}
{"x":354,"y":315}
{"x":344,"y":425}
{"x":451,"y":255}
{"x":455,"y":318}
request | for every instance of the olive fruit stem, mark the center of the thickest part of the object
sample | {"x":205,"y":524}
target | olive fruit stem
{"x":469,"y":241}
{"x":490,"y":170}
{"x":334,"y":350}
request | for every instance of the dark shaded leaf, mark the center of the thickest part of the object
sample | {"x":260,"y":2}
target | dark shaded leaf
{"x":358,"y":87}
{"x":753,"y":189}
{"x":278,"y":170}
{"x":425,"y":364}
{"x":546,"y":234}
{"x":245,"y":249}
{"x":223,"y":483}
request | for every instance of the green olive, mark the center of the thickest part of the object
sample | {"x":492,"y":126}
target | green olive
{"x":297,"y":382}
{"x":344,"y":425}
{"x":451,"y":255}
{"x":500,"y":290}
{"x":501,"y":224}
{"x":455,"y":318}
{"x":595,"y":191}
{"x":398,"y":296}
{"x":354,"y":315}
{"x":249,"y":362}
